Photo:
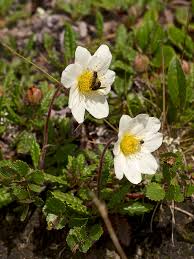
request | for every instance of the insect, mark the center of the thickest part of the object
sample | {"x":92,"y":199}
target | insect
{"x":95,"y":82}
{"x":141,"y":141}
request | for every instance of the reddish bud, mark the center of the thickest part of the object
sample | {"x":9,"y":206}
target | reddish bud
{"x":141,"y":63}
{"x":185,"y":66}
{"x":34,"y":95}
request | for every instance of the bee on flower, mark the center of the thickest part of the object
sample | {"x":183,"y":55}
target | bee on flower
{"x":89,"y":80}
{"x":137,"y":138}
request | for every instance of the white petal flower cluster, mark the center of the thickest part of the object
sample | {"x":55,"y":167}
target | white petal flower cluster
{"x":89,"y":80}
{"x":137,"y":138}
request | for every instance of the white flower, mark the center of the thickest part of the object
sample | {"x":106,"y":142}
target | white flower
{"x":89,"y":80}
{"x":137,"y":138}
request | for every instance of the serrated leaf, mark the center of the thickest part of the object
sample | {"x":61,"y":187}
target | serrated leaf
{"x":69,"y":42}
{"x":82,"y":238}
{"x":155,"y":192}
{"x":137,"y":208}
{"x":24,"y":144}
{"x":71,"y":201}
{"x":5,"y":197}
{"x":189,"y":190}
{"x":46,"y":100}
{"x":35,"y":187}
{"x":176,"y":83}
{"x":174,"y":193}
{"x":55,"y":179}
{"x":20,"y":167}
{"x":35,"y":153}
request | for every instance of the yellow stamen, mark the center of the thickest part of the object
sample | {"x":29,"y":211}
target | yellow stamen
{"x":130,"y":144}
{"x":85,"y":81}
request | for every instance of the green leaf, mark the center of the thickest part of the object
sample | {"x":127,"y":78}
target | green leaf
{"x":69,"y":42}
{"x":24,"y":142}
{"x":20,"y":193}
{"x":137,"y":208}
{"x":5,"y":197}
{"x":71,"y":201}
{"x":82,"y":238}
{"x":118,"y":196}
{"x":20,"y":167}
{"x":155,"y":192}
{"x":189,"y":190}
{"x":46,"y":101}
{"x":55,"y":179}
{"x":35,"y":153}
{"x":167,"y":52}
{"x":35,"y":187}
{"x":174,"y":193}
{"x":176,"y":83}
{"x":36,"y":177}
{"x":99,"y":24}
{"x":180,"y":39}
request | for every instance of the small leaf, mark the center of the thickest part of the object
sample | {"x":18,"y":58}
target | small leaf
{"x":35,"y":188}
{"x":155,"y":192}
{"x":137,"y":208}
{"x":174,"y":193}
{"x":176,"y":83}
{"x":5,"y":197}
{"x":35,"y":153}
{"x":69,"y":42}
{"x":189,"y":190}
{"x":82,"y":238}
{"x":99,"y":24}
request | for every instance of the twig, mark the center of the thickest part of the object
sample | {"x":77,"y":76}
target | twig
{"x":101,"y":165}
{"x":109,"y":124}
{"x":184,"y":212}
{"x":45,"y":134}
{"x":173,"y":222}
{"x":101,"y":206}
{"x":152,"y":218}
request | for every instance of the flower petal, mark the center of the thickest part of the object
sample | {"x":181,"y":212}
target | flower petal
{"x":153,"y":142}
{"x":133,"y":172}
{"x":101,"y":60}
{"x":120,"y":166}
{"x":116,"y":149}
{"x":125,"y":122}
{"x":74,"y":97}
{"x":70,"y":74}
{"x":97,"y":106}
{"x":78,"y":112}
{"x":106,"y":82}
{"x":147,"y":163}
{"x":82,"y":56}
{"x":77,"y":106}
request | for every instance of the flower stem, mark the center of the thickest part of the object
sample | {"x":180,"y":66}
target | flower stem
{"x":101,"y":165}
{"x":45,"y":134}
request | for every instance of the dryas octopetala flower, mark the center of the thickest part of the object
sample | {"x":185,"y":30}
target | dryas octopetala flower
{"x":137,"y":138}
{"x":89,"y":80}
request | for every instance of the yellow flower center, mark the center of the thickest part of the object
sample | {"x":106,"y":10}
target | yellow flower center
{"x":130,"y":144}
{"x":85,"y":81}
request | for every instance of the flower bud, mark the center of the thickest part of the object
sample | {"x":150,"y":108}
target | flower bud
{"x":34,"y":95}
{"x":185,"y":66}
{"x":141,"y":63}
